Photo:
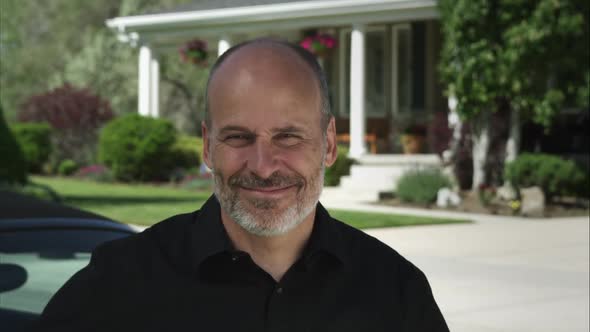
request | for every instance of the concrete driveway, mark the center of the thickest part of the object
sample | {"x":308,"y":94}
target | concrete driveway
{"x":503,"y":274}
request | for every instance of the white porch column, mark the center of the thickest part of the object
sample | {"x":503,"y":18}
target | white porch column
{"x":155,"y":87}
{"x":143,"y":92}
{"x":223,"y":45}
{"x":357,"y":91}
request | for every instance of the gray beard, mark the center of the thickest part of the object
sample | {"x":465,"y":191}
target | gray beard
{"x":265,"y":220}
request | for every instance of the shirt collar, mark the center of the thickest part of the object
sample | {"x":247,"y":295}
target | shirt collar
{"x":325,"y":238}
{"x":209,"y":237}
{"x":208,"y":234}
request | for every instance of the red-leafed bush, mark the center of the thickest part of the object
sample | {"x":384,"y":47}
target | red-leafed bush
{"x":75,"y":114}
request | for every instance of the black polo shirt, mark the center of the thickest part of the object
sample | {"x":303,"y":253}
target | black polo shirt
{"x":182,"y":274}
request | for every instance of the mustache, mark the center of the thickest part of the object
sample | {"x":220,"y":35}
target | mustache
{"x":276,"y":179}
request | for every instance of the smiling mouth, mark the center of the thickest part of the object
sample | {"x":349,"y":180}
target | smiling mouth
{"x":268,"y":189}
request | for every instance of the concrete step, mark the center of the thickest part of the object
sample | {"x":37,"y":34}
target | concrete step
{"x":385,"y":183}
{"x":339,"y":195}
{"x":379,"y":173}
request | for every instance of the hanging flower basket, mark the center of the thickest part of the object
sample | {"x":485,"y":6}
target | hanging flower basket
{"x":319,"y":45}
{"x":195,"y":52}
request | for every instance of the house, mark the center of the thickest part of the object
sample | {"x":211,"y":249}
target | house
{"x":382,"y":75}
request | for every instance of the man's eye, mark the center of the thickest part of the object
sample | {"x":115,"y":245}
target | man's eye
{"x":288,"y":139}
{"x":236,"y":137}
{"x":238,"y":140}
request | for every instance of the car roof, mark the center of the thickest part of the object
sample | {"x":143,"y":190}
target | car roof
{"x":14,"y":205}
{"x":18,"y":211}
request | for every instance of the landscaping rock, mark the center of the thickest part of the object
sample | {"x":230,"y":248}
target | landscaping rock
{"x":445,"y":197}
{"x":533,"y":202}
{"x":506,"y":193}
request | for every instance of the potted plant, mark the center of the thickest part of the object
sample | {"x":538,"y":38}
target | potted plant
{"x":413,"y":138}
{"x":195,"y":52}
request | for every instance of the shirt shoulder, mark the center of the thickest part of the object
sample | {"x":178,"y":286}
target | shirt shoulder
{"x":368,"y":252}
{"x":139,"y":254}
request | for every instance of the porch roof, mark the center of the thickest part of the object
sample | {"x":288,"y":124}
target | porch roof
{"x":169,"y":28}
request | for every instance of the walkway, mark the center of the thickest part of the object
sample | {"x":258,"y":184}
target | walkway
{"x":499,"y":274}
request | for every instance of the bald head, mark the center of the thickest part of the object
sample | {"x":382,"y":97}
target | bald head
{"x":268,"y":62}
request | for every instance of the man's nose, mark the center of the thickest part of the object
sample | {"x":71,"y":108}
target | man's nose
{"x":263,"y":161}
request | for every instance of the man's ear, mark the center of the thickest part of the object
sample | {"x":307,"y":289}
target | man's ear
{"x":206,"y":156}
{"x":331,"y":146}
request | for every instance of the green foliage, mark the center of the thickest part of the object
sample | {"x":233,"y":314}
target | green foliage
{"x":137,"y":148}
{"x":67,"y":41}
{"x":554,"y":175}
{"x":12,"y":162}
{"x":421,"y":185}
{"x":37,"y":40}
{"x":106,"y":66}
{"x":340,"y":168}
{"x":35,"y":141}
{"x":530,"y":54}
{"x":75,"y":114}
{"x":67,"y":167}
{"x":186,"y":151}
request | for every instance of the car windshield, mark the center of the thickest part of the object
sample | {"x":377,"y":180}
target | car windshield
{"x":34,"y":264}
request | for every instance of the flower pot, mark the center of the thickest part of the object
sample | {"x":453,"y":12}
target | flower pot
{"x":412,"y":144}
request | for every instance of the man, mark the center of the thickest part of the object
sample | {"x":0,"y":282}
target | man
{"x":262,"y":254}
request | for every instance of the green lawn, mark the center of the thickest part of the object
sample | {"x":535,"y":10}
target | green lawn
{"x":147,"y":204}
{"x":375,"y":220}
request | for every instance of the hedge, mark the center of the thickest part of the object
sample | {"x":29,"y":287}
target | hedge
{"x":421,"y":185}
{"x":12,"y":163}
{"x":35,"y":141}
{"x":554,"y":175}
{"x":137,"y":148}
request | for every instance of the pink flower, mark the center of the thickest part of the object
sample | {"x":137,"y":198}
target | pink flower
{"x":318,"y":44}
{"x":306,"y":43}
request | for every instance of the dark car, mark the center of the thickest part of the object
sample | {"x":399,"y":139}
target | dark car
{"x":42,"y":244}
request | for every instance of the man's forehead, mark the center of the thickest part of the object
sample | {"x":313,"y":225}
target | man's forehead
{"x":270,"y":60}
{"x":265,"y":78}
{"x":261,"y":52}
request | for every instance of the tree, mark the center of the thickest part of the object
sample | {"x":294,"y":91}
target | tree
{"x":105,"y":66}
{"x":46,"y":44}
{"x":37,"y":38}
{"x":528,"y":58}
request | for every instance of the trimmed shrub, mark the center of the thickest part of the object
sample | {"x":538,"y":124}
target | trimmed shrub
{"x":67,"y":167}
{"x":421,"y":185}
{"x":13,"y":168}
{"x":75,"y":114}
{"x":554,"y":175}
{"x":340,"y":168}
{"x":186,"y":152}
{"x":137,"y":148}
{"x":35,"y":141}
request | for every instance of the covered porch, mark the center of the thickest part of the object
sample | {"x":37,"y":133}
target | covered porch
{"x":382,"y":74}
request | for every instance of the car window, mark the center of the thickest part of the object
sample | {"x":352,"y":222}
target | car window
{"x":39,"y":262}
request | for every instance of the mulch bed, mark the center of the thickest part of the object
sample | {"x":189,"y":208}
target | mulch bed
{"x":565,"y":207}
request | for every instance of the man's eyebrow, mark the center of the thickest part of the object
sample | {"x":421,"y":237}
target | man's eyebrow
{"x":288,"y":129}
{"x":233,"y":128}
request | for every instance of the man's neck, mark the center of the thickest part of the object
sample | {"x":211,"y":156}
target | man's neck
{"x":274,"y":254}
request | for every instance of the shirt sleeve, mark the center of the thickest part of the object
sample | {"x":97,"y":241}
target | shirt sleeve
{"x":79,"y":303}
{"x":422,"y":312}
